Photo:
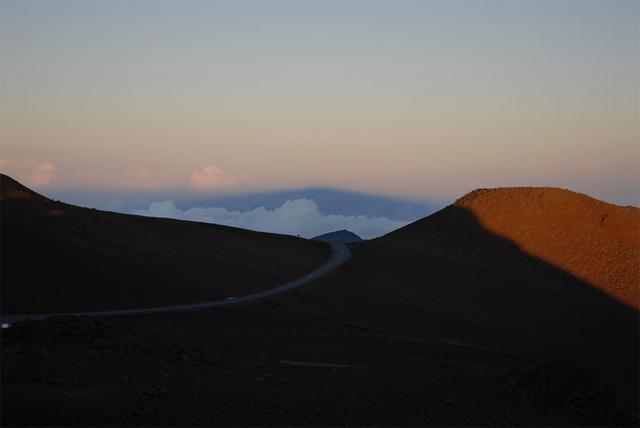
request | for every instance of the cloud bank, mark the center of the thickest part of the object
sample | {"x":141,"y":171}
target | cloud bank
{"x":294,"y":217}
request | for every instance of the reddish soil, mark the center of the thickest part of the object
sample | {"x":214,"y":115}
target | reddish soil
{"x":587,"y":238}
{"x":59,"y":257}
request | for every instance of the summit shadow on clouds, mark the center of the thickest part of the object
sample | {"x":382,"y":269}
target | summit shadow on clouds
{"x":329,"y":201}
{"x":300,"y":217}
{"x":305,"y":212}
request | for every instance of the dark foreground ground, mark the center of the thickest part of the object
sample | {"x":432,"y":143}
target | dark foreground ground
{"x":196,"y":369}
{"x":394,"y":338}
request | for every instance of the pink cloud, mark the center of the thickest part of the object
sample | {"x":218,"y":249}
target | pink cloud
{"x":42,"y":174}
{"x":30,"y":172}
{"x":210,"y":177}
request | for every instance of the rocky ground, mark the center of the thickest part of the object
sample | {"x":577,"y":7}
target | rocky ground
{"x":191,"y":370}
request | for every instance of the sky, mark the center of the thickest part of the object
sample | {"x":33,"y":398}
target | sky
{"x":416,"y":99}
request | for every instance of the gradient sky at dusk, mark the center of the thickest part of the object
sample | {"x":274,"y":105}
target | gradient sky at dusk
{"x":413,"y":98}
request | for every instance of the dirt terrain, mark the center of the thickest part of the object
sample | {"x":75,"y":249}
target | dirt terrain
{"x":204,"y":369}
{"x":403,"y":334}
{"x":60,"y":258}
{"x":587,"y":238}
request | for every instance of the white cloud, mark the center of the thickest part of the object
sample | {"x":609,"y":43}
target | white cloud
{"x":210,"y":177}
{"x":294,"y":217}
{"x":32,"y":173}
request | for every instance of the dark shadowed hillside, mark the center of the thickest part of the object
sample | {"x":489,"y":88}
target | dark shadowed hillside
{"x":11,"y":189}
{"x":58,"y":257}
{"x":590,"y":239}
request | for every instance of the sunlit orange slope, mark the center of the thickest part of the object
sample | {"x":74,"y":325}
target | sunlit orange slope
{"x":593,"y":240}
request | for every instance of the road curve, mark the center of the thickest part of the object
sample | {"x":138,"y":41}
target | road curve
{"x":340,"y":253}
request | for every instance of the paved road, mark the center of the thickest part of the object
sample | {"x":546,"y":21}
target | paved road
{"x":340,"y":253}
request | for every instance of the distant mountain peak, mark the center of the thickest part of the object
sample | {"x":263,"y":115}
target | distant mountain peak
{"x":339,"y":235}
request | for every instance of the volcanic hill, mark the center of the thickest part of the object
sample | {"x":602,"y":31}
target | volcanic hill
{"x":592,"y":240}
{"x":62,"y":258}
{"x":345,"y":236}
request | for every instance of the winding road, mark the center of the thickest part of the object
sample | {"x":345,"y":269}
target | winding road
{"x":340,"y":253}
